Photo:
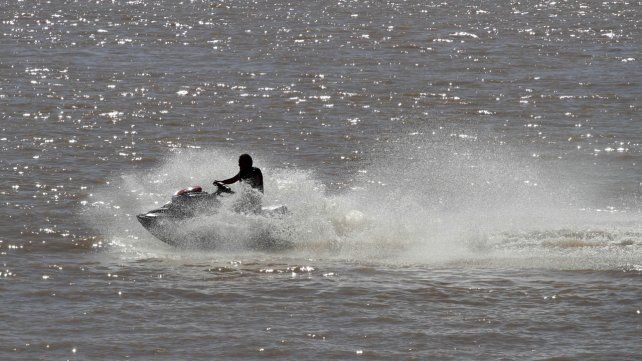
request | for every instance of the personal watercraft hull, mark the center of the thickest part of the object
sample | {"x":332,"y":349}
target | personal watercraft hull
{"x":168,"y":222}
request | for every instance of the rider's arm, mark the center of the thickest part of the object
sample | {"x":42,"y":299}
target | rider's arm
{"x":259,"y":177}
{"x":234,"y":179}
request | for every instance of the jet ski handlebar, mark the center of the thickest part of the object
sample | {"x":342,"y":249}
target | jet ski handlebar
{"x":222,"y":188}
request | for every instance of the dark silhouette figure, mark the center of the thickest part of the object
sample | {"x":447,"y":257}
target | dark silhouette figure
{"x":248,"y":174}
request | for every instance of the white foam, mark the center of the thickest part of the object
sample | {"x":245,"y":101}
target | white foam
{"x":425,"y":201}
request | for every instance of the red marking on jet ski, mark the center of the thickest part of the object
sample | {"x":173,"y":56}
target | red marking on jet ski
{"x":194,"y":189}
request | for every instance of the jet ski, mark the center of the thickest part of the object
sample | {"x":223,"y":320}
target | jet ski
{"x":165,"y":222}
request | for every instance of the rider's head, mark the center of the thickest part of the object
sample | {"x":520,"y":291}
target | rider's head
{"x":245,"y":161}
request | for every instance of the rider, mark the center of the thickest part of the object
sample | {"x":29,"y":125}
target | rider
{"x":252,"y":176}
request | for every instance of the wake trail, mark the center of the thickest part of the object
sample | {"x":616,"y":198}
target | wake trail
{"x":428,"y":200}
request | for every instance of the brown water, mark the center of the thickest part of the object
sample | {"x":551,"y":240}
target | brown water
{"x":464,"y":179}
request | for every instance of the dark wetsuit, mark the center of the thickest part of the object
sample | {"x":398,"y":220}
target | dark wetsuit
{"x":252,"y":177}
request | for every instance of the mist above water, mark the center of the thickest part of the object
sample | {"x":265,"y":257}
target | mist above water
{"x":427,"y":199}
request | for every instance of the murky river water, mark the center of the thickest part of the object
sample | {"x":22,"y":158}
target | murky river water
{"x":464,"y":179}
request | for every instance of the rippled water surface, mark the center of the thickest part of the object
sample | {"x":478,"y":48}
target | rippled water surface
{"x":464,"y":179}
